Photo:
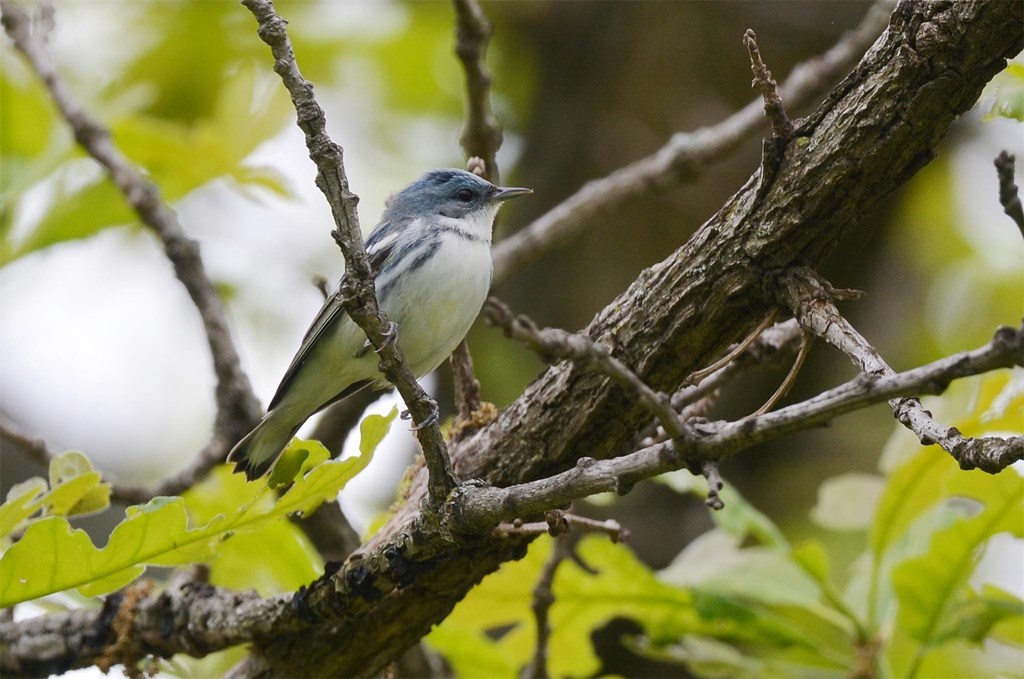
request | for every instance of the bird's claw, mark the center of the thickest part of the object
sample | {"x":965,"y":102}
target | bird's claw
{"x":390,"y":335}
{"x":431,"y":419}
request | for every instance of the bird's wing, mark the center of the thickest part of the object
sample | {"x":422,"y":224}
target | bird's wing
{"x":378,"y":247}
{"x":330,"y":313}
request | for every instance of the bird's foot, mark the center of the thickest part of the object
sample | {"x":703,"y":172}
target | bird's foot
{"x":431,"y":419}
{"x":390,"y":335}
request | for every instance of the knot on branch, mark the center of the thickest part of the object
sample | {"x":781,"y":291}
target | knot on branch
{"x":1011,"y":340}
{"x":990,"y":454}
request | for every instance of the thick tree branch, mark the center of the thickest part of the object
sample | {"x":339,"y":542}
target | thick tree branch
{"x":198,"y":619}
{"x":357,"y":290}
{"x":683,"y":157}
{"x":811,"y":300}
{"x":238,"y":410}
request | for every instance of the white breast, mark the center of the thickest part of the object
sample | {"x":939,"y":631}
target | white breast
{"x":436,"y":304}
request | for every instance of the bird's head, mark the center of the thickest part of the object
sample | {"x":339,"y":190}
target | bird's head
{"x":451,"y":193}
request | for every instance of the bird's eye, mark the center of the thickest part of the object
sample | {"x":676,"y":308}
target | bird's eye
{"x":465,"y":195}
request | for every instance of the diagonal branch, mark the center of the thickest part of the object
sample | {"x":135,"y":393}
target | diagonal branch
{"x":810,"y":297}
{"x":357,"y":291}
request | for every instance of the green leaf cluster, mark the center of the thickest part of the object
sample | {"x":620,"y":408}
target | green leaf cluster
{"x":742,"y":600}
{"x":74,"y":489}
{"x":238,"y":527}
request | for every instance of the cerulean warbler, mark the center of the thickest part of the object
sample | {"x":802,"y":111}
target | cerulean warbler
{"x":431,"y":260}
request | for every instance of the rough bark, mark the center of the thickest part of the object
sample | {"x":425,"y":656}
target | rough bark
{"x":874,"y":131}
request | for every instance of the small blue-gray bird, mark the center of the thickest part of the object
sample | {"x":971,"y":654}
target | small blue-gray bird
{"x":431,"y":260}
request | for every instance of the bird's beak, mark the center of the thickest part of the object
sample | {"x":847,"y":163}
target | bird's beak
{"x":505,"y":193}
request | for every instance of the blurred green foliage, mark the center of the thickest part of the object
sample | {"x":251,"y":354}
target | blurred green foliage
{"x":1007,"y":92}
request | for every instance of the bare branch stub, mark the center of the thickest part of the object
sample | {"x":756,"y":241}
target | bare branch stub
{"x":773,"y":149}
{"x":710,"y":471}
{"x":1008,"y":196}
{"x":782,"y":126}
{"x":357,"y":290}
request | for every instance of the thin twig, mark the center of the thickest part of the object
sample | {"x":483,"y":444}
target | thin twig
{"x":683,"y":157}
{"x":772,"y":346}
{"x":1008,"y":196}
{"x":238,"y":410}
{"x":481,"y":135}
{"x":481,"y":138}
{"x":357,"y":293}
{"x":566,"y":520}
{"x":787,"y":384}
{"x":554,"y":343}
{"x":811,"y":300}
{"x":699,"y":375}
{"x":543,"y":598}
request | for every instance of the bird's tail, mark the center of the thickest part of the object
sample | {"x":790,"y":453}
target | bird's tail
{"x":256,"y":453}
